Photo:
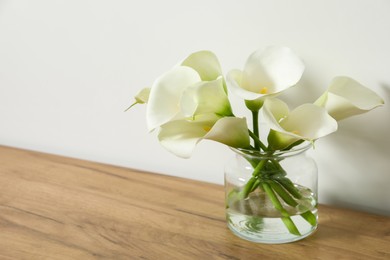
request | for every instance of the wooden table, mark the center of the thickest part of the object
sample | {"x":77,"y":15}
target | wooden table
{"x":53,"y":207}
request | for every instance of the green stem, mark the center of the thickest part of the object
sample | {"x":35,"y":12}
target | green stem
{"x":255,"y":120}
{"x":282,"y":193}
{"x":135,"y":103}
{"x":290,"y":187}
{"x":258,"y":142}
{"x":248,"y":188}
{"x":290,"y":225}
{"x":278,"y":188}
{"x":255,"y":176}
{"x":255,"y":185}
{"x":310,"y":217}
{"x":286,"y":182}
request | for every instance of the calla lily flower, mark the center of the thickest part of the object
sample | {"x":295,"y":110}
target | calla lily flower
{"x":346,"y":97}
{"x":205,"y":63}
{"x":306,"y":122}
{"x":189,"y":103}
{"x":206,"y":97}
{"x":180,"y":137}
{"x":141,"y":98}
{"x":171,"y":96}
{"x":164,"y":99}
{"x":266,"y":73}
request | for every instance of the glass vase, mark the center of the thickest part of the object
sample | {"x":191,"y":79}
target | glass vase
{"x":271,"y":197}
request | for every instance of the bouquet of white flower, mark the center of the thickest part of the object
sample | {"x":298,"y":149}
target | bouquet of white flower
{"x":190,"y":103}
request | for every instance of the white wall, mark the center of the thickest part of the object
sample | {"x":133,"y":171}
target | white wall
{"x":68,"y":69}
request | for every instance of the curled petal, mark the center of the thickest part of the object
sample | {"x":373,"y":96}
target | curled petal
{"x":267,"y":72}
{"x":346,"y":97}
{"x":309,"y":122}
{"x":231,"y":131}
{"x":234,"y":81}
{"x":275,"y":68}
{"x":181,"y":136}
{"x":206,"y":97}
{"x":164,"y":98}
{"x":205,"y":63}
{"x":274,"y":111}
{"x":306,"y":122}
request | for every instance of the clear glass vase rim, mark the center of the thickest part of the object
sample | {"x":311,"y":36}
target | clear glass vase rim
{"x":278,"y":153}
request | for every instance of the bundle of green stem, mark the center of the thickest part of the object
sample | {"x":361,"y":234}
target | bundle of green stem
{"x":270,"y":178}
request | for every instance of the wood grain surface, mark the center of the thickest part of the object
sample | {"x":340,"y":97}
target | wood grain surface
{"x":53,"y":207}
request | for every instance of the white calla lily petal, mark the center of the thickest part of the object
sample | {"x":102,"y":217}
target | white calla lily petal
{"x":307,"y":122}
{"x":181,"y":136}
{"x":205,"y":63}
{"x":234,"y":81}
{"x":346,"y":97}
{"x":231,"y":131}
{"x":275,"y":68}
{"x":267,"y":72}
{"x":188,"y":102}
{"x":275,"y":110}
{"x":164,"y":98}
{"x":206,"y":97}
